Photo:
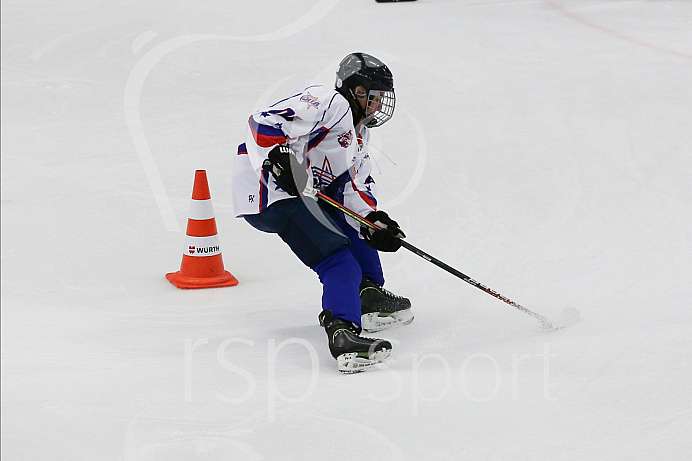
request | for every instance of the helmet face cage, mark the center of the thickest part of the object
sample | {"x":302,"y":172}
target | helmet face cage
{"x":380,"y":107}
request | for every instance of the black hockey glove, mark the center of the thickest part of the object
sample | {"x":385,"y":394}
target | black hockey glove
{"x":386,"y":239}
{"x":288,"y":173}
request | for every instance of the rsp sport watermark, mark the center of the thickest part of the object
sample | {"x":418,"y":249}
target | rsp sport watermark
{"x":416,"y":380}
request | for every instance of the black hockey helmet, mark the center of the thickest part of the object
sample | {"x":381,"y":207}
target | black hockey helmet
{"x":361,"y":69}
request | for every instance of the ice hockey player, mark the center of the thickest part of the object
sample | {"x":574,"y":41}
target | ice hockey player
{"x":319,"y":136}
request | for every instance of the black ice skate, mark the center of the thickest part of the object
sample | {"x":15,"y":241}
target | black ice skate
{"x":352,"y":352}
{"x":381,"y":308}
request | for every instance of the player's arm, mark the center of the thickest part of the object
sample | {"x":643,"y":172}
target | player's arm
{"x":360,"y":196}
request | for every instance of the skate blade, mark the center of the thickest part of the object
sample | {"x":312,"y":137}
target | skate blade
{"x":351,"y":363}
{"x":373,"y":322}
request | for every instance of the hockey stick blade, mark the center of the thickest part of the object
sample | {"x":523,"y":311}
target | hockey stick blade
{"x":568,"y":316}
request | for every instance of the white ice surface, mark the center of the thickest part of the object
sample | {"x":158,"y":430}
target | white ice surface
{"x":544,"y":147}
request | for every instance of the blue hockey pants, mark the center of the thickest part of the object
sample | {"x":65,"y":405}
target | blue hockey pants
{"x":330,"y":247}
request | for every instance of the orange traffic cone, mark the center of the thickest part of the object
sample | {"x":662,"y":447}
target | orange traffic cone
{"x":202,"y":265}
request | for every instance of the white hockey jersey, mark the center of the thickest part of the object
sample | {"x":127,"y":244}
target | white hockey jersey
{"x":317,"y":124}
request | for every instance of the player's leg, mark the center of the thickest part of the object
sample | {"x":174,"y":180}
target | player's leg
{"x":380,"y":308}
{"x":322,"y":246}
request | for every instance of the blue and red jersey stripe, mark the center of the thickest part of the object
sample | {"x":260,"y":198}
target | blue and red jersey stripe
{"x":366,"y":196}
{"x":266,"y":136}
{"x":317,"y":136}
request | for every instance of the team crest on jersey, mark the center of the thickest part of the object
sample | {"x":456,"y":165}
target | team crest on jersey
{"x":345,"y":139}
{"x":323,"y":176}
{"x":310,"y":100}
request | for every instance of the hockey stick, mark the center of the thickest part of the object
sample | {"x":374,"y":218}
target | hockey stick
{"x":567,"y":317}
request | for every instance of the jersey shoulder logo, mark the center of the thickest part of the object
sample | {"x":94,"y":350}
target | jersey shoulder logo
{"x":310,"y":100}
{"x":345,"y":139}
